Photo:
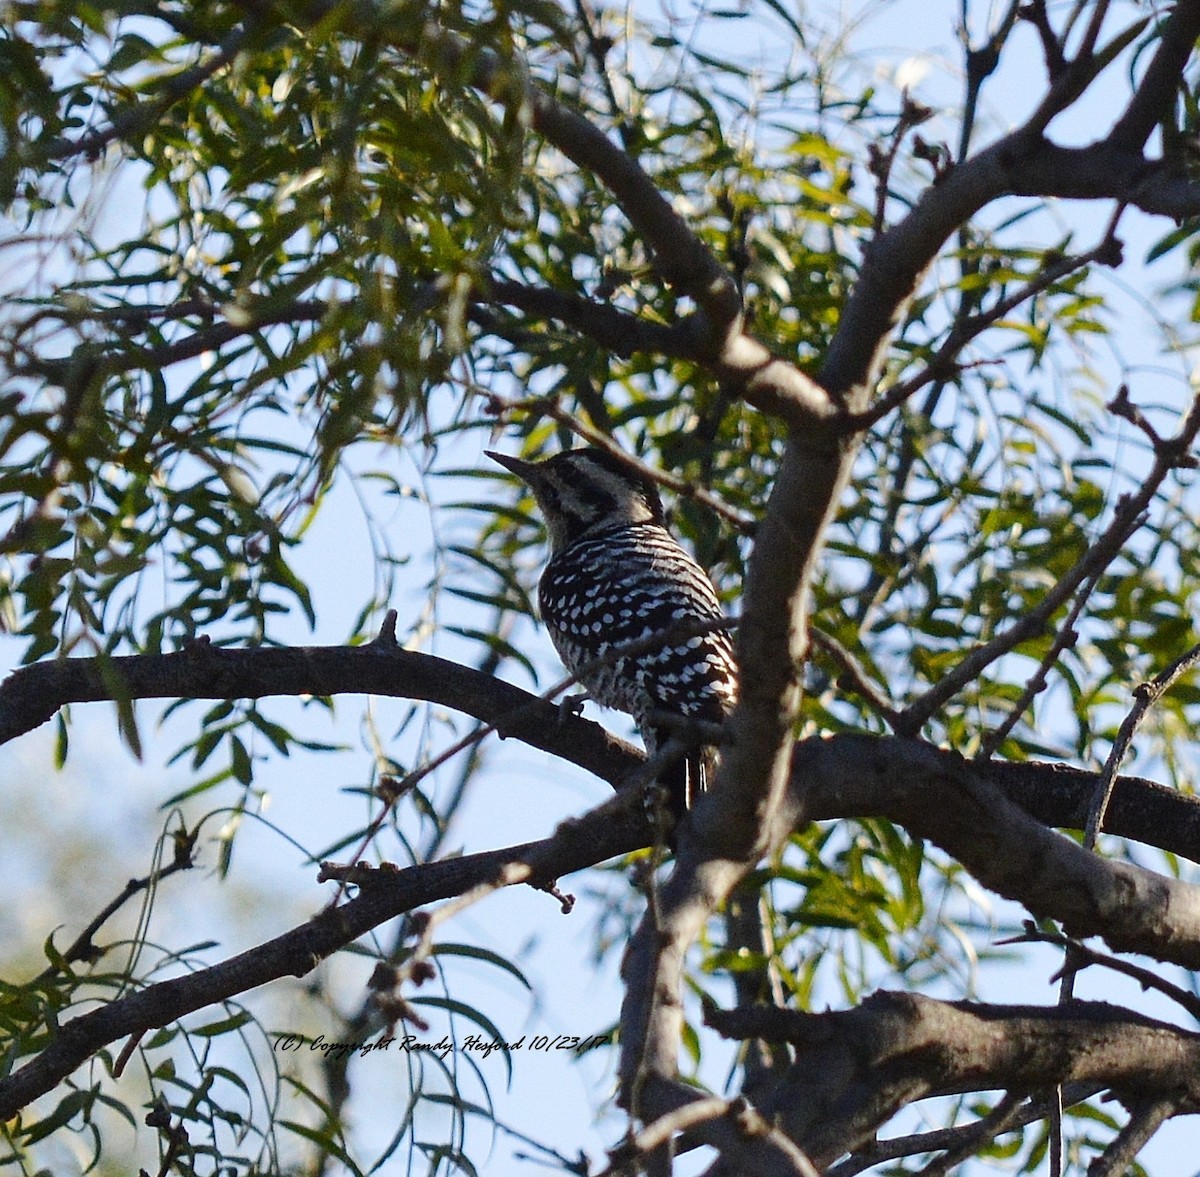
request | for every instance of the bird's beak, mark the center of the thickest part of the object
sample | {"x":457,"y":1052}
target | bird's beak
{"x":518,"y":466}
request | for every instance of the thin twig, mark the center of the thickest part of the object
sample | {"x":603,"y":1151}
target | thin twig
{"x":951,"y":1138}
{"x":1002,"y":1118}
{"x":1172,"y":454}
{"x":944,"y":361}
{"x":1144,"y":1122}
{"x":1066,"y":637}
{"x":857,"y":675}
{"x":82,"y":948}
{"x":1145,"y":696}
{"x":1089,"y":956}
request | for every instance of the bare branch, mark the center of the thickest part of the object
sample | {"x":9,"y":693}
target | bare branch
{"x":858,"y":678}
{"x":1120,"y":1155}
{"x":960,"y":1142}
{"x":1146,"y":695}
{"x":617,"y":827}
{"x":1080,"y":956}
{"x":950,"y":802}
{"x":1022,"y":163}
{"x":857,"y":1068}
{"x":31,"y":695}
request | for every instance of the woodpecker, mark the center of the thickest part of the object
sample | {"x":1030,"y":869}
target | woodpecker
{"x":616,"y":575}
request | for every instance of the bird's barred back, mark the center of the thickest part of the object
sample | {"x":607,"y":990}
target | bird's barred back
{"x":625,"y":584}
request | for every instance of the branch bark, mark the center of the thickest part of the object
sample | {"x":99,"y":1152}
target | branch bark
{"x":937,"y":796}
{"x":857,"y":1068}
{"x":30,"y":696}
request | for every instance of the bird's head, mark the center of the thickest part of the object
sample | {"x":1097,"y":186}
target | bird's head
{"x":586,"y":490}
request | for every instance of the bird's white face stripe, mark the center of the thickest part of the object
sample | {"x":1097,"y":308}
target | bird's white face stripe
{"x":581,"y":495}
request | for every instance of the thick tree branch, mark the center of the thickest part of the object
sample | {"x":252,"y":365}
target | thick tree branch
{"x":1154,"y":98}
{"x":1105,"y":171}
{"x":1052,"y":794}
{"x":857,"y":1068}
{"x":947,"y":801}
{"x":31,"y":695}
{"x":747,"y":812}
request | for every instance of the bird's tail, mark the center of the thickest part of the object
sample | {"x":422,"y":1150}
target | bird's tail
{"x":686,"y":779}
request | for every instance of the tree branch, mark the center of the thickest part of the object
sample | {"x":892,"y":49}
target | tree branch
{"x":1154,"y":97}
{"x":618,"y":331}
{"x":135,"y":120}
{"x":680,"y":255}
{"x":1169,"y":455}
{"x":1145,"y":696}
{"x":615,"y":828}
{"x":30,"y":696}
{"x":715,"y":335}
{"x":857,"y":1068}
{"x":948,"y":801}
{"x":1051,"y":794}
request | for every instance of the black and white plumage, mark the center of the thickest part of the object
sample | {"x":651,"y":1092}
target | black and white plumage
{"x":616,"y":575}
